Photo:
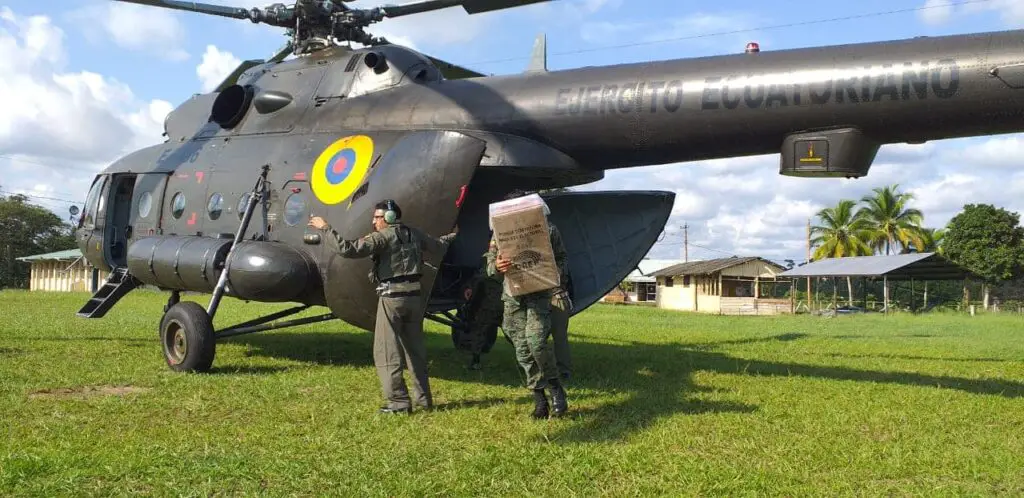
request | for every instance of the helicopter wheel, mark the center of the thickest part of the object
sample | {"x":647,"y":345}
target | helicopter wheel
{"x":186,"y":334}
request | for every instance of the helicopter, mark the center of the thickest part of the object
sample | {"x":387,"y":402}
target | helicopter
{"x":221,"y":206}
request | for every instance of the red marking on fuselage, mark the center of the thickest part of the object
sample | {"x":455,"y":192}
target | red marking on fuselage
{"x":299,"y":176}
{"x":199,"y":176}
{"x":192,"y":220}
{"x":340,"y":165}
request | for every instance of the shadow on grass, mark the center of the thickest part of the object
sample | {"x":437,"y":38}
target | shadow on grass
{"x":648,"y":381}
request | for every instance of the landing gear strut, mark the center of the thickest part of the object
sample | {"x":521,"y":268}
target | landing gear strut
{"x":186,"y":330}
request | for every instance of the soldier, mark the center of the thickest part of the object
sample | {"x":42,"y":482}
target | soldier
{"x":484,"y":313}
{"x":527,"y":320}
{"x":397,"y":252}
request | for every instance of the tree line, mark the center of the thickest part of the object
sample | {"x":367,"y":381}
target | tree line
{"x":985,"y":239}
{"x":27,"y":229}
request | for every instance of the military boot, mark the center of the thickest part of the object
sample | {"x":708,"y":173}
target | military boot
{"x":540,"y":404}
{"x":561,"y":405}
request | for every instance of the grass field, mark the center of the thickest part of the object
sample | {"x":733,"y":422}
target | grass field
{"x":663,"y":403}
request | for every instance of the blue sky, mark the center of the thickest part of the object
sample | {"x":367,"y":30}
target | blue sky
{"x":106,"y":91}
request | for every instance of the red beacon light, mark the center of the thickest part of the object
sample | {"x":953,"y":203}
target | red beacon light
{"x":752,"y":48}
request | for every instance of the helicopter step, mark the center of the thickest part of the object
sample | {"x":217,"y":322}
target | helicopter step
{"x":118,"y":284}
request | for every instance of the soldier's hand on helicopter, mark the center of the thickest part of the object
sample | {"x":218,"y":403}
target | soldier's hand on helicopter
{"x":502,"y":264}
{"x":317,"y":222}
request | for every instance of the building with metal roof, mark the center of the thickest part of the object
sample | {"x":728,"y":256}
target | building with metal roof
{"x":729,"y":286}
{"x":924,"y":266}
{"x":913,"y":266}
{"x":640,"y":286}
{"x":62,"y":271}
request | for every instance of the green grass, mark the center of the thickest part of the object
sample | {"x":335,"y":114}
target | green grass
{"x":663,"y":403}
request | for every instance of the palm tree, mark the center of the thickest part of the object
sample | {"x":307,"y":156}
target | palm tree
{"x":931,"y":240}
{"x":841,"y":233}
{"x":891,"y":222}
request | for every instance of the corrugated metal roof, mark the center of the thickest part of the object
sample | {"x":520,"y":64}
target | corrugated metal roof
{"x":647,"y":266}
{"x":919,"y":266}
{"x":53,"y":256}
{"x":708,"y":266}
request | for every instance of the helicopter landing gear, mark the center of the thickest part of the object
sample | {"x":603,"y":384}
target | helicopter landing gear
{"x":186,"y":334}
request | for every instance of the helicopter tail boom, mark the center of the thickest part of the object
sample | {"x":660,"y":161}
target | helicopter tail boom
{"x":854,"y":97}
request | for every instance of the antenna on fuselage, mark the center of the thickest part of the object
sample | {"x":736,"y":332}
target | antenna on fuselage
{"x":539,"y":58}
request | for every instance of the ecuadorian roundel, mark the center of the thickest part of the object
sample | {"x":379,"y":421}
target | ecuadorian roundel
{"x":340,"y":168}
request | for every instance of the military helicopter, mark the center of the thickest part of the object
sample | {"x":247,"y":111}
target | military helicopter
{"x":221,"y":206}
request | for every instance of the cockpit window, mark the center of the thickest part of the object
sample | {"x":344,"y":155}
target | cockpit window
{"x":92,"y":203}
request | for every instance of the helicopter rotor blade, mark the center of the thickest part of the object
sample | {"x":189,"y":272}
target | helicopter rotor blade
{"x":203,"y":8}
{"x":278,"y":15}
{"x":470,"y":6}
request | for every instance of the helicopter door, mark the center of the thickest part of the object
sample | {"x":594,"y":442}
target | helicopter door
{"x":92,"y":223}
{"x":117,"y":230}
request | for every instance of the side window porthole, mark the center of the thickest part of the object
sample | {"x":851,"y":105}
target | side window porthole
{"x":294,"y":208}
{"x":216,"y":206}
{"x":242,"y":204}
{"x":145,"y":204}
{"x":177,"y":205}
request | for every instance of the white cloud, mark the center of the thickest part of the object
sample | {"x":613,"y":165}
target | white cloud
{"x":936,"y":11}
{"x":63,"y":126}
{"x":1011,"y":12}
{"x":134,"y":27}
{"x":215,"y":66}
{"x":743,"y":206}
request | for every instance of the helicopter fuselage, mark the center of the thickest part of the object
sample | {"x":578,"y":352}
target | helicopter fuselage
{"x":444,"y":149}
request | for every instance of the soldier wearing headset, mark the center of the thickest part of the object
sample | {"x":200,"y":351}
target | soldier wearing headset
{"x":397,"y":252}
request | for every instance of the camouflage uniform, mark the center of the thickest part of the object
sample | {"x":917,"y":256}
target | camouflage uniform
{"x":561,"y":308}
{"x":527,"y":320}
{"x":397,"y":252}
{"x":483,"y":314}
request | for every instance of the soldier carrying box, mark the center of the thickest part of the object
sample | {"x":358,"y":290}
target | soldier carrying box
{"x":526,"y":251}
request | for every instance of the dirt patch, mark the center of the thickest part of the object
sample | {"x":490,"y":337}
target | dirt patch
{"x":11,"y":351}
{"x":87,"y":392}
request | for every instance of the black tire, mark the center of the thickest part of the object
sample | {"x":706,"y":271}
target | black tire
{"x":186,"y":335}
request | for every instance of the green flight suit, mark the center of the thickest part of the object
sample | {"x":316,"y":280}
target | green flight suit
{"x":527,"y":320}
{"x":398,"y":340}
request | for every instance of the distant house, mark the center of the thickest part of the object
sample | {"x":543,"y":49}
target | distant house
{"x":63,"y":271}
{"x":640,"y":287}
{"x":728,"y":286}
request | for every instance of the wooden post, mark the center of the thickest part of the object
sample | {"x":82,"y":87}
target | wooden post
{"x":809,"y":262}
{"x":885,"y":293}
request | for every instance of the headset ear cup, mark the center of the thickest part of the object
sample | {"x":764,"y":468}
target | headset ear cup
{"x":389,"y":217}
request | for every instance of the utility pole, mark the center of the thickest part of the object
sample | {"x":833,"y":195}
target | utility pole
{"x":686,"y":243}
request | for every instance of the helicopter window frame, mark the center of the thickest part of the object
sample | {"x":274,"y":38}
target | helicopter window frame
{"x":92,"y":200}
{"x":215,"y":210}
{"x":242,"y":202}
{"x":145,"y":204}
{"x":176,"y":211}
{"x":292,"y":217}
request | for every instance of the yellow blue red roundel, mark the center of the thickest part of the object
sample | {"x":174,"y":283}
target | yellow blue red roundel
{"x":340,"y":168}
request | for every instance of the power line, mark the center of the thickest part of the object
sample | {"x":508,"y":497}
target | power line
{"x":29,"y":161}
{"x":32,"y":196}
{"x":737,"y":31}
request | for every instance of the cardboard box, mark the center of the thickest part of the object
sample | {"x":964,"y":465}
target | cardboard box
{"x":521,"y":234}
